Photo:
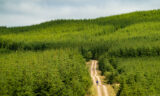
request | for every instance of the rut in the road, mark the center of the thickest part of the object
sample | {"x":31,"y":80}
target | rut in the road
{"x":101,"y":89}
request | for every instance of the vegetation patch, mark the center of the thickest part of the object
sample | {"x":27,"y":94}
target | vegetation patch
{"x":46,"y":73}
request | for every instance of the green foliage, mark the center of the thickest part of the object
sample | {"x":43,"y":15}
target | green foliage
{"x":138,"y":76}
{"x":121,"y":21}
{"x":47,"y":73}
{"x":112,"y":39}
{"x":118,"y":34}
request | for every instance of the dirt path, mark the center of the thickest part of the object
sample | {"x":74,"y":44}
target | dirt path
{"x":101,"y":89}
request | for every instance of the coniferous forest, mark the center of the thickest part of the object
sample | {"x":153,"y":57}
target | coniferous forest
{"x":49,"y":59}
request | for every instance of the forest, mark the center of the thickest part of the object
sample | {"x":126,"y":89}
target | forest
{"x":44,"y":73}
{"x":48,"y":59}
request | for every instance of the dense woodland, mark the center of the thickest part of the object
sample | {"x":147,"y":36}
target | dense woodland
{"x":127,"y":47}
{"x":44,"y":73}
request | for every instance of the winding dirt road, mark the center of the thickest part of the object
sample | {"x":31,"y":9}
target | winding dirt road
{"x":101,"y":89}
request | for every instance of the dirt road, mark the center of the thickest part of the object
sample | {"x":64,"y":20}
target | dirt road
{"x":101,"y":89}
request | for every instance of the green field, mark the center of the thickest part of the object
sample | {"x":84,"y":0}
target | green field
{"x":48,"y":59}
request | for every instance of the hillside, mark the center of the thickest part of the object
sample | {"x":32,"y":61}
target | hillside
{"x":74,"y":33}
{"x":115,"y":41}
